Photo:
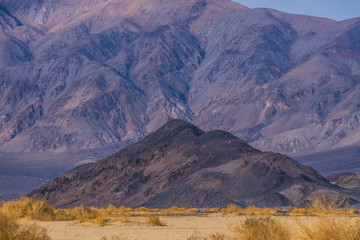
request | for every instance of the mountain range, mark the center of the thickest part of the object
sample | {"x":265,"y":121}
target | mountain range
{"x":81,"y":79}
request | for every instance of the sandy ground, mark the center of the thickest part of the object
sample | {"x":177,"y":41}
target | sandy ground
{"x":177,"y":228}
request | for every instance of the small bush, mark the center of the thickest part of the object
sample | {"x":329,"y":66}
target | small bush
{"x":124,"y":209}
{"x":331,"y":227}
{"x":27,"y":207}
{"x":215,"y":236}
{"x":82,"y":214}
{"x":322,"y":205}
{"x":301,"y":211}
{"x":142,"y":209}
{"x":10,"y":230}
{"x":155,"y":221}
{"x":232,"y":208}
{"x":261,"y":229}
{"x":354,"y":211}
{"x":63,"y":215}
{"x":8,"y":227}
{"x":100,"y":220}
{"x":112,"y":238}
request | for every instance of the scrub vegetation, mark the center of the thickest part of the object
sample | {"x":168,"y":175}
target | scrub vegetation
{"x":258,"y":223}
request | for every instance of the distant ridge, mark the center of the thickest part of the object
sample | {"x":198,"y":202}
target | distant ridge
{"x":335,"y":177}
{"x":351,"y":181}
{"x":181,"y":165}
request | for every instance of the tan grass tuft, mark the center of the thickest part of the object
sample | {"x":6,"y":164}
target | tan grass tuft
{"x":263,"y":228}
{"x":331,"y":227}
{"x":83,"y":213}
{"x":214,"y":236}
{"x":155,"y":221}
{"x":10,"y":230}
{"x":27,"y":207}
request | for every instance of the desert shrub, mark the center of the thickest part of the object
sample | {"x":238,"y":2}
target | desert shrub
{"x":83,"y":213}
{"x":232,"y":208}
{"x":100,"y":220}
{"x":331,"y":227}
{"x":261,"y":229}
{"x":354,"y":211}
{"x":8,"y":227}
{"x":323,"y":205}
{"x":142,"y":209}
{"x":193,"y":210}
{"x":10,"y":230}
{"x":195,"y":236}
{"x":214,"y":236}
{"x":63,"y":215}
{"x":124,"y":209}
{"x":301,"y":211}
{"x":27,"y":207}
{"x":155,"y":221}
{"x":112,"y":238}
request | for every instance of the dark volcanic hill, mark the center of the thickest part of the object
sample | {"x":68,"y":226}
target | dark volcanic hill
{"x":181,"y":165}
{"x":86,"y":75}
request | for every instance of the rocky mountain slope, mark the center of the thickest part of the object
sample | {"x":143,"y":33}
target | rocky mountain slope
{"x":351,"y":181}
{"x":181,"y":165}
{"x":84,"y":75}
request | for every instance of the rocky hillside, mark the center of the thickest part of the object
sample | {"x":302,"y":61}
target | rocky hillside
{"x":351,"y":181}
{"x":181,"y":165}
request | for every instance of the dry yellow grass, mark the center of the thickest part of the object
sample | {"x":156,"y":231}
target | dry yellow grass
{"x":155,"y":221}
{"x":112,"y":238}
{"x":10,"y":230}
{"x":330,"y":227}
{"x":27,"y":207}
{"x":328,"y":221}
{"x":214,"y":236}
{"x":82,"y":213}
{"x":263,"y":228}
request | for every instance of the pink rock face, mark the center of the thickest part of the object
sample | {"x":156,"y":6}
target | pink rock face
{"x":84,"y":75}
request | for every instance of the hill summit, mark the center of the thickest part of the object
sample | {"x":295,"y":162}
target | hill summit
{"x":179,"y":164}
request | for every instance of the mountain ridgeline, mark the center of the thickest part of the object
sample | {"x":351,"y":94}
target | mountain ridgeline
{"x":181,"y":165}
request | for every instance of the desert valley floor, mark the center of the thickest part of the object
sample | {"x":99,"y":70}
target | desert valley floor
{"x":177,"y":228}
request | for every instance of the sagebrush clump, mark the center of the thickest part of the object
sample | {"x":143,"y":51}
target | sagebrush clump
{"x":11,"y":230}
{"x":330,"y":227}
{"x":155,"y":221}
{"x":261,"y":228}
{"x":27,"y":207}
